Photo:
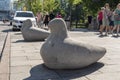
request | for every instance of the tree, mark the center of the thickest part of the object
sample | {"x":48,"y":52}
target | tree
{"x":50,"y":5}
{"x":31,"y":5}
{"x":72,"y":8}
{"x":36,"y":6}
{"x":25,"y":3}
{"x":92,"y":6}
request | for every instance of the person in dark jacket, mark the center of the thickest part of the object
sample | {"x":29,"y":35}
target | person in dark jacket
{"x":46,"y":19}
{"x":51,"y":15}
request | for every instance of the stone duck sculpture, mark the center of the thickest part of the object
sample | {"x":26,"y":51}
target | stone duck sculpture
{"x":61,"y":52}
{"x":31,"y":33}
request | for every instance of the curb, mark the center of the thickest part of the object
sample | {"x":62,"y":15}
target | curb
{"x":3,"y":46}
{"x":5,"y":60}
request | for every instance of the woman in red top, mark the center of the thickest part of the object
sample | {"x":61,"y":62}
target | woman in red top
{"x":100,"y":18}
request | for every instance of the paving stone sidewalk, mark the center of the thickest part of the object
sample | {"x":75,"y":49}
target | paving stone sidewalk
{"x":2,"y":40}
{"x":26,"y":62}
{"x":3,"y":35}
{"x":4,"y":51}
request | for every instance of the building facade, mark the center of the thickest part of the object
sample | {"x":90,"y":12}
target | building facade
{"x":5,"y":8}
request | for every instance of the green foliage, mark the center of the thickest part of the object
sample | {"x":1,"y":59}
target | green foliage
{"x":26,"y":3}
{"x":36,"y":6}
{"x":91,"y":7}
{"x":39,"y":5}
{"x":50,"y":5}
{"x":88,"y":7}
{"x":20,"y":3}
{"x":75,"y":2}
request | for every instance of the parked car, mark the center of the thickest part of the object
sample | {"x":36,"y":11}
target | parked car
{"x":20,"y":17}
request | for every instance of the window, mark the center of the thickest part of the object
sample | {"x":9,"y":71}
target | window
{"x":24,"y":14}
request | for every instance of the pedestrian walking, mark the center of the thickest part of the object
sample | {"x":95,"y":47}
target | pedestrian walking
{"x":111,"y":21}
{"x":100,"y":18}
{"x":117,"y":19}
{"x":89,"y":19}
{"x":39,"y":19}
{"x":46,"y":19}
{"x":51,"y":15}
{"x":106,"y":16}
{"x":58,"y":15}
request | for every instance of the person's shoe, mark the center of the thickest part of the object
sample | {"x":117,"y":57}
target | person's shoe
{"x":101,"y":33}
{"x":112,"y":32}
{"x":106,"y":34}
{"x":117,"y":35}
{"x":109,"y":32}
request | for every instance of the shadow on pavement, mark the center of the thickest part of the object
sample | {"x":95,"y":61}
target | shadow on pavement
{"x":101,"y":36}
{"x":22,"y":41}
{"x":40,"y":72}
{"x":115,"y":36}
{"x":7,"y":30}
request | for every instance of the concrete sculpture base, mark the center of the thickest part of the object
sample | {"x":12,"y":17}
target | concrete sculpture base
{"x":61,"y":52}
{"x":31,"y":33}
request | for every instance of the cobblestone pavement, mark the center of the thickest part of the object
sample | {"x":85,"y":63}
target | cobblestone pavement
{"x":26,"y":62}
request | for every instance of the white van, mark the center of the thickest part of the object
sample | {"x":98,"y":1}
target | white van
{"x":21,"y":16}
